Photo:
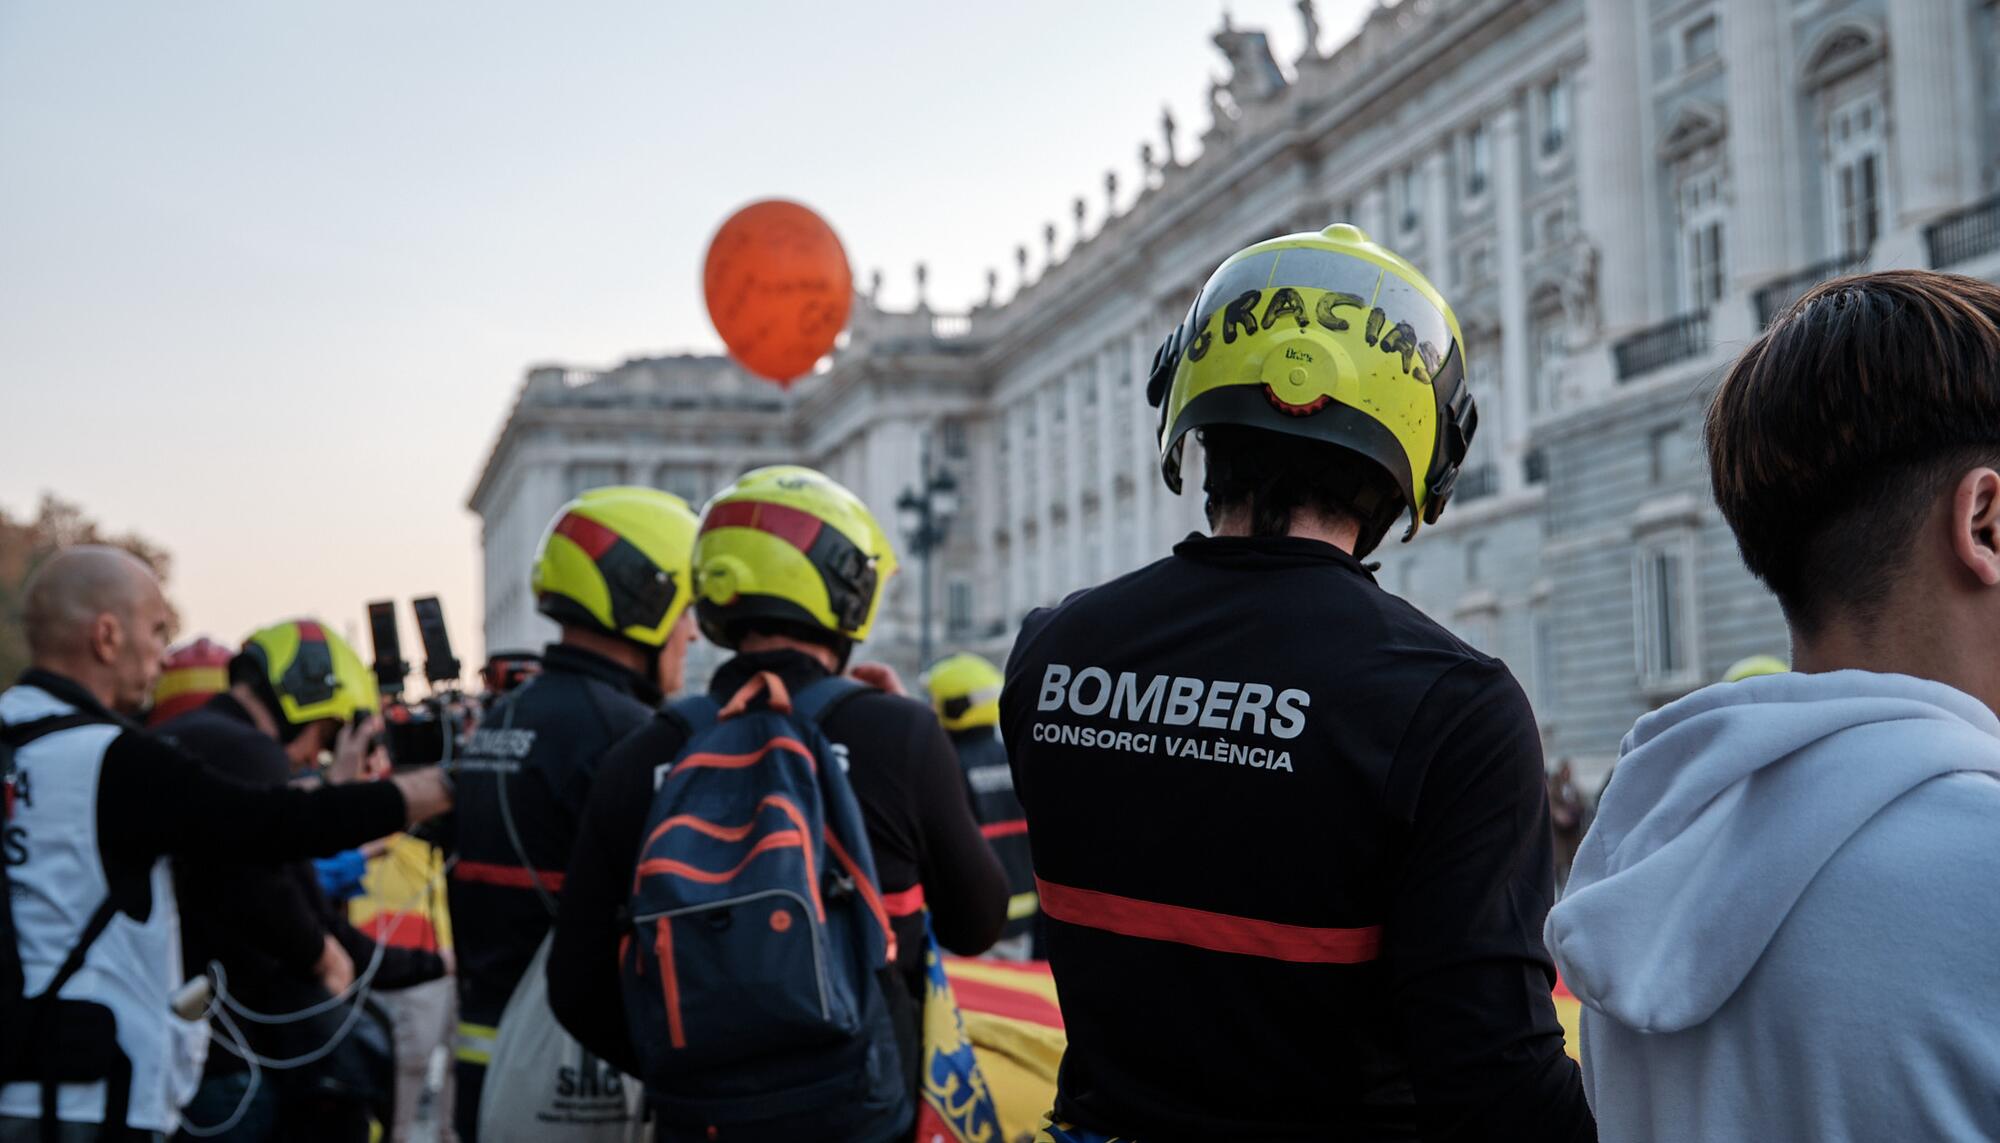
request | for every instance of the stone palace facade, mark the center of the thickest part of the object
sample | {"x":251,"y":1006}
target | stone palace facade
{"x":1614,"y":194}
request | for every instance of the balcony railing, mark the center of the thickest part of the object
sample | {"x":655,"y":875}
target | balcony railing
{"x":1676,"y":339}
{"x":1775,"y":297}
{"x":1966,"y":235}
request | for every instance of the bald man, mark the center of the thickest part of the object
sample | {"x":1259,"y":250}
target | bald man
{"x":99,"y":807}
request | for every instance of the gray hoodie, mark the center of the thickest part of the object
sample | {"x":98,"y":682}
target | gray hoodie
{"x":1784,"y":922}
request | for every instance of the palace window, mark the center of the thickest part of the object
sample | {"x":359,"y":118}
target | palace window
{"x":1555,"y":112}
{"x":586,"y":474}
{"x":1409,"y":192}
{"x":1478,"y":160}
{"x":1663,"y":581}
{"x":1854,"y":168}
{"x":1703,"y":214}
{"x":958,"y":607}
{"x":1548,"y":350}
{"x":681,"y":480}
{"x":1700,"y":41}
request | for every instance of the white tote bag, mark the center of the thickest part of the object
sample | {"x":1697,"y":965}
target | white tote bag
{"x":542,"y":1085}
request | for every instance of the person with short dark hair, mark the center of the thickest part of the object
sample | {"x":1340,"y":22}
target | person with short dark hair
{"x":1290,"y":835}
{"x":1781,"y":923}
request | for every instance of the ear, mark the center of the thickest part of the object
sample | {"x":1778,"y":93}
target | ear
{"x":1975,"y":524}
{"x":107,"y":637}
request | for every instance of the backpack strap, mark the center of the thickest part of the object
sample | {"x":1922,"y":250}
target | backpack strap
{"x":766,"y":683}
{"x":19,"y":734}
{"x":73,"y":963}
{"x":817,"y":702}
{"x":16,"y":735}
{"x":13,"y":737}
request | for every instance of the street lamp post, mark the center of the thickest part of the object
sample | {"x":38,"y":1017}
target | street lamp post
{"x":925,"y":513}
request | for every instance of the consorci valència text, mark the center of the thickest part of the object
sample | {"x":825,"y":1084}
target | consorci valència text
{"x":1151,"y":704}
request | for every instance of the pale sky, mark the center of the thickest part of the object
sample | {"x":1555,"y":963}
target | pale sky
{"x":270,"y":273}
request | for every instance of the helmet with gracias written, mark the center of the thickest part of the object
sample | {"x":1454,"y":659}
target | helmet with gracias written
{"x":1331,"y":337}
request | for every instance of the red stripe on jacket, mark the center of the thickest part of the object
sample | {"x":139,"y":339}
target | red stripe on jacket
{"x":1199,"y":928}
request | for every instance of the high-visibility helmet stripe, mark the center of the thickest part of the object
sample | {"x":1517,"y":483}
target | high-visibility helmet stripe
{"x":594,"y":538}
{"x":797,"y":528}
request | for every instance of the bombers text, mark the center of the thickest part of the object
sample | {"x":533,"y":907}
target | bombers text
{"x":1175,"y":700}
{"x":1172,"y":701}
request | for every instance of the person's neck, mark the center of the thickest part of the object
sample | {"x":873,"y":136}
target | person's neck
{"x":1918,"y":641}
{"x":752,"y":644}
{"x":1338,"y":531}
{"x":85,"y":673}
{"x":620,"y":651}
{"x":260,"y":715}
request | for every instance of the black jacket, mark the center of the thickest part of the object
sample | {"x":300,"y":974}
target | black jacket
{"x":1294,"y":857}
{"x":542,"y":742}
{"x":989,"y":782}
{"x":266,"y":922}
{"x":927,"y":848}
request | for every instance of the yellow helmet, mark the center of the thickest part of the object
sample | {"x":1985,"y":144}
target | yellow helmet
{"x":312,"y":672}
{"x":965,"y":689}
{"x":1754,"y":665}
{"x":791,"y":544}
{"x":1331,"y":337}
{"x":616,"y":560}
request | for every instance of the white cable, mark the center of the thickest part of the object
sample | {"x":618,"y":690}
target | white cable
{"x":220,"y":1005}
{"x":249,"y":1089}
{"x":354,"y":1014}
{"x":358,"y":992}
{"x":355,"y":989}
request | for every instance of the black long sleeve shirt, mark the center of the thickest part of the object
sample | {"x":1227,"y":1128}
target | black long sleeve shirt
{"x":1293,"y":850}
{"x":155,"y":800}
{"x":913,"y":802}
{"x":266,"y":922}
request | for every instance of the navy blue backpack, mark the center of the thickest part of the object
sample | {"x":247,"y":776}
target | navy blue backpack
{"x":752,"y":975}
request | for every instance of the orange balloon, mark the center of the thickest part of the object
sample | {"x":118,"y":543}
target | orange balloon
{"x":778,"y":288}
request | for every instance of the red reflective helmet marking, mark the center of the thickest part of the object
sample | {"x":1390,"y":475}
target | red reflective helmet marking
{"x":594,"y":538}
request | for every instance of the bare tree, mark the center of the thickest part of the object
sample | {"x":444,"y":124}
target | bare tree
{"x":25,"y":543}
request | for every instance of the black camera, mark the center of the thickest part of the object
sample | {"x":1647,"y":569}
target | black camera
{"x":427,"y":731}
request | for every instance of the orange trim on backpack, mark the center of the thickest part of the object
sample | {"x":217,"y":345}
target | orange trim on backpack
{"x":1004,"y":829}
{"x":1202,"y":929}
{"x":869,"y":894}
{"x":762,"y":681}
{"x":738,"y":833}
{"x":738,"y":761}
{"x":783,"y":839}
{"x":670,"y":984}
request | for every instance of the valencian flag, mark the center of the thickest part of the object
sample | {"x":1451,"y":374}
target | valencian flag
{"x":957,"y":1107}
{"x":1008,"y":1012}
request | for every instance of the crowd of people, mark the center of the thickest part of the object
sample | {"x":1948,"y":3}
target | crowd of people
{"x":1288,"y":846}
